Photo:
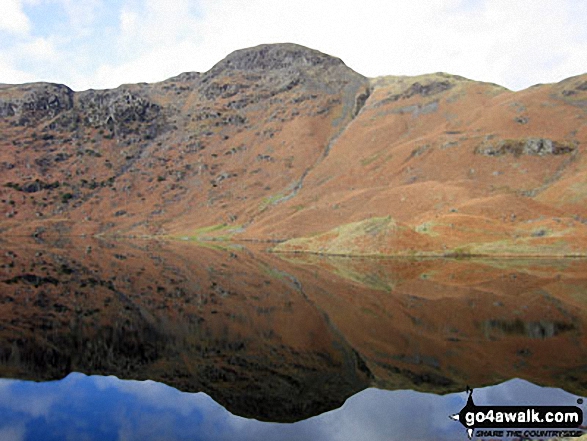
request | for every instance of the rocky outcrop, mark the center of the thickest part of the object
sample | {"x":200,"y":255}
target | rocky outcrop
{"x":529,"y":146}
{"x":55,"y":106}
{"x":428,"y":89}
{"x":270,"y":57}
{"x":27,"y":104}
{"x":260,"y":73}
{"x":581,"y":87}
{"x":118,"y":110}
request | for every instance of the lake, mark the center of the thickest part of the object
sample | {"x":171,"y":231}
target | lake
{"x":152,"y":340}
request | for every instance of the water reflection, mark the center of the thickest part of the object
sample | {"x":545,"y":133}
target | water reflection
{"x":280,"y":339}
{"x":106,"y":408}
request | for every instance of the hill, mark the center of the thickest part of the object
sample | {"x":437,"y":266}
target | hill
{"x":285,"y":144}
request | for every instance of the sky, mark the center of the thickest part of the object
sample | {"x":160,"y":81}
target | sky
{"x":104,"y":43}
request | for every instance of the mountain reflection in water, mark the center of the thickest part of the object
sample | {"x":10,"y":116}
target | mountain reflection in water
{"x":285,"y":338}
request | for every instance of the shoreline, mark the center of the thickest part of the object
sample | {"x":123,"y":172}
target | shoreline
{"x":371,"y":255}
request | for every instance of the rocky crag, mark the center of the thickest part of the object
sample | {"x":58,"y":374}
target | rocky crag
{"x":285,"y":144}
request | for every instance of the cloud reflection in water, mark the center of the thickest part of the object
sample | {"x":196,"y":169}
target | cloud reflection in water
{"x":106,"y":408}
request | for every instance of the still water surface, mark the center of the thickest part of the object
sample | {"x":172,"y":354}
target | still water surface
{"x":236,"y":343}
{"x":106,"y":408}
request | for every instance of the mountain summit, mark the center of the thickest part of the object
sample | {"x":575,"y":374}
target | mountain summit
{"x":283,"y":143}
{"x":276,"y":57}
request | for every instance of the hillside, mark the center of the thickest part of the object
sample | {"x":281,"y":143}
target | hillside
{"x":282,"y":142}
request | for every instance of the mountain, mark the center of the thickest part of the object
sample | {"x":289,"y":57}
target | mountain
{"x":285,"y":144}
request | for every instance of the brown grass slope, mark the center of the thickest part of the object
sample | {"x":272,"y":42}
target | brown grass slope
{"x":280,"y":142}
{"x":471,"y":167}
{"x":192,"y":151}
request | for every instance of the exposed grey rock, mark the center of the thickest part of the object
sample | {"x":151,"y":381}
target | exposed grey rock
{"x":31,"y":102}
{"x":575,"y":90}
{"x":522,"y":119}
{"x":115,"y":108}
{"x":416,"y":109}
{"x":528,"y":146}
{"x":55,"y":106}
{"x":216,"y":90}
{"x":428,"y":89}
{"x":275,"y":56}
{"x":185,"y":77}
{"x":361,"y":99}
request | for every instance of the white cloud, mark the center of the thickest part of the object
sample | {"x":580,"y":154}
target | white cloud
{"x":12,"y":17}
{"x":154,"y":65}
{"x":13,"y":433}
{"x":81,"y":14}
{"x":155,"y":23}
{"x":12,"y":75}
{"x":40,"y":406}
{"x":158,"y":395}
{"x":156,"y":40}
{"x":129,"y":22}
{"x":39,"y":49}
{"x":513,"y":43}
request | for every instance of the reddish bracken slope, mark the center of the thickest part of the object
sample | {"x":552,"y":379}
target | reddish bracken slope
{"x":282,"y":142}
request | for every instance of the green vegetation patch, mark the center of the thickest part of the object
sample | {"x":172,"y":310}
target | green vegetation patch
{"x":219,"y":232}
{"x":369,"y":159}
{"x":341,"y":240}
{"x":579,"y":192}
{"x":270,"y":200}
{"x":523,"y":247}
{"x":427,"y":228}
